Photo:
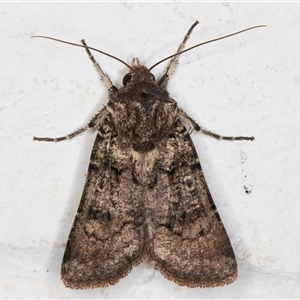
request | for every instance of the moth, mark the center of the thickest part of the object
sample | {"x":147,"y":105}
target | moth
{"x":145,"y":196}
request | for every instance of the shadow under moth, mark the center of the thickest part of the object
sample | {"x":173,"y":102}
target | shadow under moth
{"x":145,"y":196}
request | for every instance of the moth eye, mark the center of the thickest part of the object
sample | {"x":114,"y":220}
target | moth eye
{"x":127,"y":79}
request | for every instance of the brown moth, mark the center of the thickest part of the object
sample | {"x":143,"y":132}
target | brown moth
{"x":145,"y":196}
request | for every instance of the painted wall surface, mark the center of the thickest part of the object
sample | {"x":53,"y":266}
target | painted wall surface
{"x":245,"y":85}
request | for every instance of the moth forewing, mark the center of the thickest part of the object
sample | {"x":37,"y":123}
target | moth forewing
{"x":145,"y":196}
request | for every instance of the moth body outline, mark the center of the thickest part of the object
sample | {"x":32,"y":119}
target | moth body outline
{"x":145,"y":196}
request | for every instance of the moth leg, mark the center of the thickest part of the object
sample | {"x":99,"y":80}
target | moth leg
{"x":192,"y":124}
{"x":173,"y":62}
{"x":96,"y":120}
{"x":106,"y":80}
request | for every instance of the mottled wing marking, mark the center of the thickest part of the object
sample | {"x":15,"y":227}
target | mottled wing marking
{"x":186,"y":238}
{"x":106,"y":239}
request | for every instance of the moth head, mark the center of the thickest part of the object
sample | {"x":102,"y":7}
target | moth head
{"x":137,"y":73}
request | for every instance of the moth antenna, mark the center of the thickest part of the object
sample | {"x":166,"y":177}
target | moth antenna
{"x":78,"y":45}
{"x":207,"y":42}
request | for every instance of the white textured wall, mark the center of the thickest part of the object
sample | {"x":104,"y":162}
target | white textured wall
{"x":245,"y":85}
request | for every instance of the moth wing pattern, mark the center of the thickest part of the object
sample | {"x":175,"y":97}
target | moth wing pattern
{"x":106,"y":239}
{"x":186,"y":237}
{"x":162,"y":211}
